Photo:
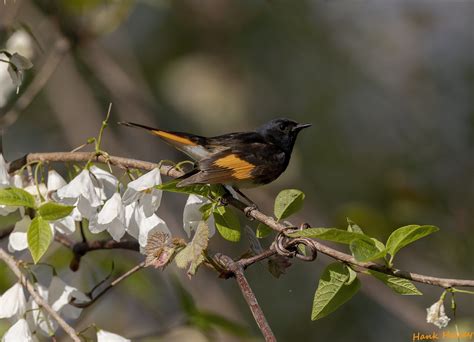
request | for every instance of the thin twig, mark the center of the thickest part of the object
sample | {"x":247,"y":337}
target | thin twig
{"x":247,"y":293}
{"x":13,"y":266}
{"x":111,"y":285}
{"x":126,"y":163}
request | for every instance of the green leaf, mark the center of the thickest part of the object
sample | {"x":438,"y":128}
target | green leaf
{"x":206,"y":210}
{"x":367,"y":250}
{"x":39,"y":237}
{"x":198,"y":189}
{"x":51,"y":211}
{"x":17,"y":197}
{"x":399,"y":285}
{"x":353,"y":227}
{"x":227,"y":223}
{"x":352,"y":275}
{"x":288,"y":202}
{"x":263,"y":230}
{"x":330,"y":234}
{"x":333,"y":290}
{"x":191,"y":256}
{"x":406,"y":235}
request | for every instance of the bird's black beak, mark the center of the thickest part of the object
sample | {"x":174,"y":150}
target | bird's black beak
{"x":299,"y":127}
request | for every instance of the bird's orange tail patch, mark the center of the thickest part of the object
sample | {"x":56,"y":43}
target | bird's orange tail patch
{"x":174,"y":137}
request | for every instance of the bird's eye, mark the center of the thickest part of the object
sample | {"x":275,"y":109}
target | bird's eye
{"x":282,"y":127}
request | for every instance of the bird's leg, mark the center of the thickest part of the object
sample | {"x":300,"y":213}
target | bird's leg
{"x":252,"y":205}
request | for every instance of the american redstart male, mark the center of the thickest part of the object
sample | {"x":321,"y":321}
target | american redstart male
{"x":239,"y":160}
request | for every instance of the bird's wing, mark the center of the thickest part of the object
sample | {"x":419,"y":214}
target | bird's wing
{"x":236,"y":165}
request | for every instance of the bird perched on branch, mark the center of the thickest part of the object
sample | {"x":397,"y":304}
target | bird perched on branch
{"x":239,"y":160}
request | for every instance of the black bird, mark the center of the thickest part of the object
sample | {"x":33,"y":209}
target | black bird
{"x":239,"y":160}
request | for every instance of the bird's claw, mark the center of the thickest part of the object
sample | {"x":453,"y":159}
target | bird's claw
{"x":248,"y":211}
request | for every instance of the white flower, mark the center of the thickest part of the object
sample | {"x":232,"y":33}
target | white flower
{"x":4,"y":176}
{"x":140,"y":226}
{"x":19,"y":42}
{"x":17,"y":241}
{"x":19,"y":332}
{"x":13,"y":302}
{"x":110,"y":218}
{"x":192,"y":216}
{"x":436,"y":315}
{"x":5,"y":181}
{"x":105,"y":336}
{"x":143,"y":190}
{"x":108,"y":182}
{"x":88,"y":190}
{"x":58,"y":296}
{"x":55,"y":181}
{"x":82,"y":186}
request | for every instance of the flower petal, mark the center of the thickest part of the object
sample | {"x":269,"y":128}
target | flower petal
{"x":18,"y":332}
{"x":66,"y":225}
{"x":112,"y":209}
{"x":17,"y":240}
{"x":147,"y":181}
{"x":55,"y":181}
{"x":192,"y":215}
{"x":149,"y":224}
{"x":17,"y":181}
{"x":4,"y":176}
{"x":13,"y":302}
{"x":116,"y":229}
{"x":108,"y":182}
{"x":81,"y":185}
{"x":105,"y":336}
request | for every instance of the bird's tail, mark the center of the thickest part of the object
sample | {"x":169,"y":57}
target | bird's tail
{"x":192,"y":145}
{"x":132,"y":124}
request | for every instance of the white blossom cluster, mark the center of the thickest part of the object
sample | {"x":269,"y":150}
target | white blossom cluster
{"x":107,"y":205}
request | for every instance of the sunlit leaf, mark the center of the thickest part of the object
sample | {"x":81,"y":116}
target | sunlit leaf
{"x":191,"y":256}
{"x":51,"y":211}
{"x":227,"y":223}
{"x":17,"y":197}
{"x":367,"y":250}
{"x":406,"y":235}
{"x":39,"y":237}
{"x":288,"y":202}
{"x":333,"y":290}
{"x":353,"y":227}
{"x":330,"y":234}
{"x":399,"y":285}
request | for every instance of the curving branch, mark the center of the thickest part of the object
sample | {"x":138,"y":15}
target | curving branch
{"x":126,"y":163}
{"x":238,"y":271}
{"x":12,"y":264}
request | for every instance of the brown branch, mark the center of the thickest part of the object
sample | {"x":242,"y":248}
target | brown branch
{"x":126,"y":163}
{"x":13,"y":266}
{"x":257,"y":312}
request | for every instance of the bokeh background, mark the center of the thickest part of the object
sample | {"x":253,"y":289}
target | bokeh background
{"x":387,"y":85}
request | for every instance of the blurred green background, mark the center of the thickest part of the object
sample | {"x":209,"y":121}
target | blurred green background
{"x":387,"y":85}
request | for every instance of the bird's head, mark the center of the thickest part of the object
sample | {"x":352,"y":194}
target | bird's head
{"x":282,"y":132}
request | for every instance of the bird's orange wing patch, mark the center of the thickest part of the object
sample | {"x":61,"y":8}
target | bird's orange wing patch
{"x":240,"y":169}
{"x":174,"y":137}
